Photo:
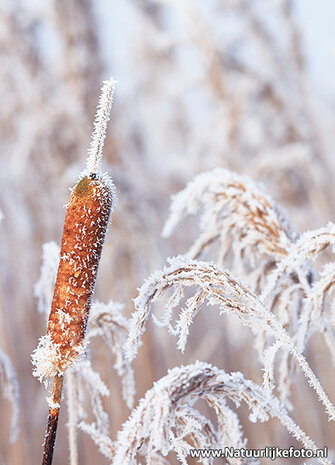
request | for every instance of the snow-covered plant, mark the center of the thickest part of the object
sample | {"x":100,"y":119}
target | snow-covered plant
{"x":274,"y":260}
{"x":166,"y":420}
{"x":236,"y":212}
{"x":202,"y":84}
{"x":255,"y":238}
{"x":217,"y":287}
{"x":83,"y":383}
{"x":84,"y":231}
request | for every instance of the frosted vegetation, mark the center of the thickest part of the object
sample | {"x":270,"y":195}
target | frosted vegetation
{"x":231,"y":341}
{"x":165,"y":420}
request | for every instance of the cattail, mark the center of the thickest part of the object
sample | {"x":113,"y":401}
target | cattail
{"x":83,"y":237}
{"x":84,"y":232}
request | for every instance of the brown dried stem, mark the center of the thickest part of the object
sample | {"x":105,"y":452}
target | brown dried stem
{"x":54,"y":407}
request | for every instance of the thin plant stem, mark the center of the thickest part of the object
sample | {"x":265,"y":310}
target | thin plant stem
{"x":54,"y":406}
{"x":100,"y":126}
{"x":72,"y":418}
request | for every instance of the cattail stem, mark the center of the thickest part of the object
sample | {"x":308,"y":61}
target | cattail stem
{"x":50,"y":435}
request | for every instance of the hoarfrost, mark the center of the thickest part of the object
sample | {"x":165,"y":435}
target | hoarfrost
{"x":100,"y":126}
{"x":220,"y":288}
{"x":171,"y":401}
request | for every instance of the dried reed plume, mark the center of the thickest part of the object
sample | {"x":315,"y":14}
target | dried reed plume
{"x":85,"y":226}
{"x":216,"y":286}
{"x":239,"y":214}
{"x":310,"y":290}
{"x":165,"y":419}
{"x":273,"y":259}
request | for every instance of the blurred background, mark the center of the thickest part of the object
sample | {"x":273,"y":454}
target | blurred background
{"x":243,"y":84}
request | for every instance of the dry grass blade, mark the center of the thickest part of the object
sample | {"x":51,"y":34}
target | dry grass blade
{"x":313,"y":316}
{"x":87,"y":384}
{"x":105,"y":444}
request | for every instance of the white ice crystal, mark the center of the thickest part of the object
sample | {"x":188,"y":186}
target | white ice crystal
{"x":100,"y":127}
{"x":48,"y":358}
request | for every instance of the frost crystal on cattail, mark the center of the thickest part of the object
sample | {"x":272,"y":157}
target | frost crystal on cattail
{"x":84,"y":231}
{"x":106,"y":320}
{"x":100,"y":126}
{"x":83,"y":237}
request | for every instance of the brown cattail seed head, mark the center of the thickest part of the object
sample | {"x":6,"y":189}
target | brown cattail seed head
{"x":84,"y":232}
